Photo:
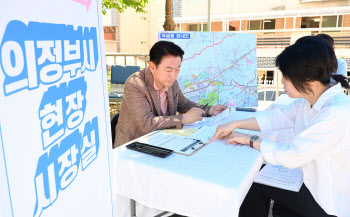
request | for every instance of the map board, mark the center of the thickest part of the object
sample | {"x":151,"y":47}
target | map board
{"x":217,"y":66}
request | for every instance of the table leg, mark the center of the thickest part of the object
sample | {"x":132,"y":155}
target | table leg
{"x":133,"y":208}
{"x":161,"y":214}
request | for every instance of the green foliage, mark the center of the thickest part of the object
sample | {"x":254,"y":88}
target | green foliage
{"x":121,"y":5}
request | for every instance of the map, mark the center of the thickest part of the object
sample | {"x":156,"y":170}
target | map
{"x":217,"y":67}
{"x":244,"y":96}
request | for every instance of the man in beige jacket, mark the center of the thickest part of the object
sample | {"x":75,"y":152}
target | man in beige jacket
{"x":152,"y":97}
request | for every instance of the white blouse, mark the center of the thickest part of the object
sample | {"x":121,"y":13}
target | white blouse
{"x":321,"y":146}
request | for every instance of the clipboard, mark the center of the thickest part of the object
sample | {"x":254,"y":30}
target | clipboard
{"x":181,"y":132}
{"x":170,"y":141}
{"x":197,"y":149}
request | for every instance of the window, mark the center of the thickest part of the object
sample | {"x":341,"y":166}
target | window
{"x":269,"y":24}
{"x":340,"y":21}
{"x":331,"y":21}
{"x":197,"y":27}
{"x":261,"y":24}
{"x":310,"y":22}
{"x":254,"y":24}
{"x":269,"y":75}
{"x":193,"y":27}
{"x":205,"y":28}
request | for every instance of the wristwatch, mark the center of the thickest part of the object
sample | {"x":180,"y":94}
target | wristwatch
{"x":253,"y":139}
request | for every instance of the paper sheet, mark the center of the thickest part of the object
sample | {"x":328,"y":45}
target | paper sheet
{"x":177,"y":143}
{"x":204,"y":133}
{"x":215,"y":119}
{"x":209,"y":121}
{"x":181,"y":132}
{"x":280,"y":177}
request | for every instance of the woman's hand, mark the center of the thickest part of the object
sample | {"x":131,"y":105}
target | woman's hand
{"x":223,"y":131}
{"x":243,"y":139}
{"x":238,"y":138}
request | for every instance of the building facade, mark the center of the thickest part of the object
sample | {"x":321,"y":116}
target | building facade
{"x":277,"y":24}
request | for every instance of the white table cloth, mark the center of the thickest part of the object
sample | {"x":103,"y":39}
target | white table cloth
{"x":212,"y":182}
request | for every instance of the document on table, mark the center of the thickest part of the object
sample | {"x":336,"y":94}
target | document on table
{"x":280,"y":177}
{"x":181,"y":132}
{"x":215,"y":119}
{"x":210,"y":121}
{"x":204,"y":133}
{"x":179,"y":144}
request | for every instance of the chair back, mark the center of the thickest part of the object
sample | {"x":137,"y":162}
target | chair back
{"x":119,"y":74}
{"x":114,"y":122}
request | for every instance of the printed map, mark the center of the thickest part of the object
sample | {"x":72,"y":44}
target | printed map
{"x":216,"y":66}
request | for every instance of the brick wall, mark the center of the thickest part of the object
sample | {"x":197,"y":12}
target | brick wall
{"x":346,"y":20}
{"x":183,"y":26}
{"x":235,"y":24}
{"x":216,"y":26}
{"x":298,"y":23}
{"x":279,"y":23}
{"x":289,"y":22}
{"x":244,"y":25}
{"x":110,"y":32}
{"x":111,"y":46}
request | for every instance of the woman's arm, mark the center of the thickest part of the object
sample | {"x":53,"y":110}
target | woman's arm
{"x":224,"y":131}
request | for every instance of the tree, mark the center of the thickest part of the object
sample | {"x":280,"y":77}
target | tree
{"x":121,"y":5}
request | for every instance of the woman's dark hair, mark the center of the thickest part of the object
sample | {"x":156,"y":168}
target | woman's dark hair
{"x":164,"y":48}
{"x":326,"y":37}
{"x":310,"y":59}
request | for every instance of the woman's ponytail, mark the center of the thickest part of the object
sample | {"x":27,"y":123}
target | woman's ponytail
{"x":342,"y":80}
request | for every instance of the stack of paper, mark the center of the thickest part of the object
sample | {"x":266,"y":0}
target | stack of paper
{"x":209,"y":121}
{"x":215,"y":119}
{"x":280,"y":177}
{"x":179,"y":144}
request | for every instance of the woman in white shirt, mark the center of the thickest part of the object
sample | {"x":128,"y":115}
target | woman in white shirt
{"x":321,"y":146}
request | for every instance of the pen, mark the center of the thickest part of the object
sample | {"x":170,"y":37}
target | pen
{"x":205,"y":106}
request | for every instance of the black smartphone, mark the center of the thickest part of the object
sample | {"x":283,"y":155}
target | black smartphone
{"x":150,"y":149}
{"x":243,"y":109}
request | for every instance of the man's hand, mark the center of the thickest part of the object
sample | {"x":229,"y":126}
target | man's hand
{"x":223,"y":131}
{"x":193,"y":115}
{"x":217,"y":109}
